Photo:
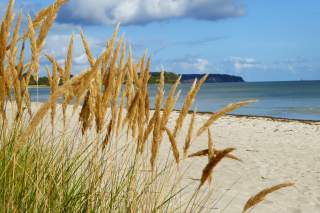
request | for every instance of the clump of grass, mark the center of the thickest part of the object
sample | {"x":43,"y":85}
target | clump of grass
{"x":47,"y":174}
{"x":84,"y":172}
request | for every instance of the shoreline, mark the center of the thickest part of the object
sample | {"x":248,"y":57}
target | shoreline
{"x":278,"y":119}
{"x":270,"y":118}
{"x":39,"y":86}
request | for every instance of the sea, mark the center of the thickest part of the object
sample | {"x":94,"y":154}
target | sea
{"x":293,"y":100}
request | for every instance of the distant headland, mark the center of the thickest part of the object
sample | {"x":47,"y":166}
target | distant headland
{"x":212,"y":78}
{"x":170,"y":77}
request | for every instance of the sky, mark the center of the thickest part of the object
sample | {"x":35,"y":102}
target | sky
{"x":256,"y":39}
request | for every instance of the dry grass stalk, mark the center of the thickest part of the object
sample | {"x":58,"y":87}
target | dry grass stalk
{"x":219,"y":114}
{"x":2,"y":99}
{"x":4,"y":35}
{"x":25,"y":94}
{"x":99,"y":118}
{"x":111,"y":42}
{"x":117,"y":82}
{"x":54,"y":83}
{"x":68,"y":60}
{"x":20,"y":66}
{"x":15,"y":36}
{"x":147,"y":105}
{"x":169,"y":105}
{"x":143,"y":115}
{"x":173,"y":145}
{"x":85,"y":81}
{"x":5,"y":28}
{"x":44,"y":13}
{"x":199,"y":153}
{"x":157,"y":122}
{"x":110,"y":77}
{"x":133,"y":124}
{"x":53,"y":60}
{"x":14,"y":69}
{"x":51,"y":15}
{"x":132,"y":108}
{"x":212,"y":164}
{"x":119,"y":122}
{"x":147,"y":132}
{"x":106,"y":140}
{"x":258,"y":198}
{"x":129,"y":80}
{"x":22,"y":81}
{"x":105,"y":75}
{"x":187,"y":141}
{"x":97,"y":99}
{"x":85,"y":114}
{"x":87,"y":50}
{"x":188,"y":103}
{"x":205,"y":152}
{"x":211,"y":152}
{"x":34,"y":67}
{"x":66,"y":77}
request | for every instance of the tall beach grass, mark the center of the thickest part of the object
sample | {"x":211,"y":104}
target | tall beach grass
{"x":100,"y":154}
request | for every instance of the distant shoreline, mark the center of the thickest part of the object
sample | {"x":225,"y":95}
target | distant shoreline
{"x":305,"y":121}
{"x":38,"y":86}
{"x":310,"y":122}
{"x":278,"y":119}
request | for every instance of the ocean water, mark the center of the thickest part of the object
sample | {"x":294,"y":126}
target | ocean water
{"x":293,"y":100}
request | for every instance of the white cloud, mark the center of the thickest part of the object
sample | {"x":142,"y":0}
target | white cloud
{"x":240,"y":63}
{"x":144,"y":11}
{"x":189,"y":64}
{"x":81,"y":59}
{"x":57,"y":46}
{"x":202,"y":64}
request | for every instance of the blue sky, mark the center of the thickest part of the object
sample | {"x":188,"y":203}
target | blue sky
{"x":259,"y":40}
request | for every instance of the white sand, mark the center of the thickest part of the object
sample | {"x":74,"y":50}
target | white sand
{"x":272,"y":151}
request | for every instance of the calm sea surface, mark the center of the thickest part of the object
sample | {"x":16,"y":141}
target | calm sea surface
{"x":295,"y":100}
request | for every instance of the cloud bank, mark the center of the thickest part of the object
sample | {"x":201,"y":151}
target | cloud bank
{"x":138,"y":12}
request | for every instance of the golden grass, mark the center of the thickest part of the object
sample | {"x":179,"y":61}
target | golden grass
{"x":205,"y":152}
{"x":66,"y":77}
{"x":113,"y":76}
{"x":206,"y":173}
{"x":222,"y":112}
{"x":188,"y":103}
{"x":87,"y":49}
{"x":157,"y":122}
{"x":34,"y":67}
{"x":259,"y":197}
{"x":189,"y":135}
{"x":173,"y":145}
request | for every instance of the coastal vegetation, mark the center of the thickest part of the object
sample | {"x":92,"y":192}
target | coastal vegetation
{"x":100,"y":154}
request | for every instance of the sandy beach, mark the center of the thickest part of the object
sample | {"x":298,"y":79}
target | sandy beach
{"x":272,"y":151}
